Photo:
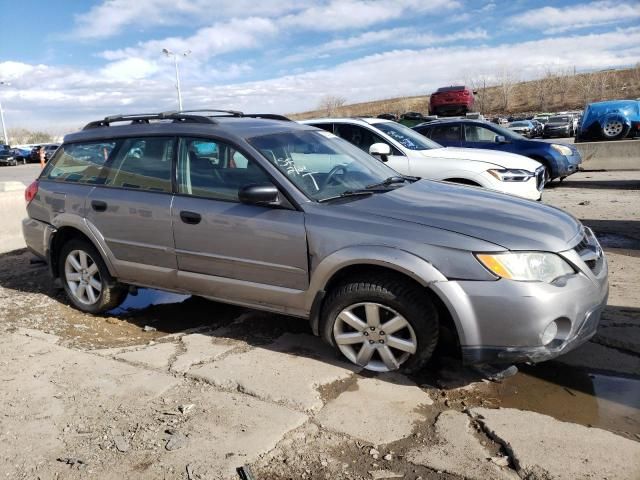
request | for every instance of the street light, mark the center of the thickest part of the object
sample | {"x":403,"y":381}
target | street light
{"x":4,"y":127}
{"x":169,"y":53}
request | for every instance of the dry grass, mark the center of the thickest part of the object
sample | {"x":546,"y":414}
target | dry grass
{"x":554,"y":92}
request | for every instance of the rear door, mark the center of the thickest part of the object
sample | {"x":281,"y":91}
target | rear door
{"x":229,"y":249}
{"x":131,"y":209}
{"x":447,"y":135}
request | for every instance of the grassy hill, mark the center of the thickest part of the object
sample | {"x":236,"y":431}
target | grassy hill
{"x":554,"y":92}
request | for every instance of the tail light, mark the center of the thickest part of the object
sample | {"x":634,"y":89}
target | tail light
{"x":31,"y":191}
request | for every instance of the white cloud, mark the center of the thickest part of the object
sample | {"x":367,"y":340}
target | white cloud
{"x":206,"y":42}
{"x":43,"y":95}
{"x":129,"y":69}
{"x":111,"y":17}
{"x":353,"y":14}
{"x":555,"y":20}
{"x":385,"y":40}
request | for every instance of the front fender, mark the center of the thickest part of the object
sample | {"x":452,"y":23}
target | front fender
{"x":392,"y":258}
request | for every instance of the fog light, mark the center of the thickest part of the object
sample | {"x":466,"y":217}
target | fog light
{"x":549,"y":333}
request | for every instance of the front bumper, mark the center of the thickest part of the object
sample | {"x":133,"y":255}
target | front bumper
{"x":503,"y":321}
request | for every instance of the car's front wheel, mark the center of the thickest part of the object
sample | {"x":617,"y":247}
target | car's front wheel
{"x":381,"y":323}
{"x":86,"y":279}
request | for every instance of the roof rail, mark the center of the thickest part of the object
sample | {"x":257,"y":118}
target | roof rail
{"x":187,"y":116}
{"x":268,"y":116}
{"x":145,"y":117}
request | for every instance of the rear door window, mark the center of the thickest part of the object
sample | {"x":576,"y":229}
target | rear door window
{"x":79,"y":162}
{"x":445,"y":133}
{"x":142,"y":164}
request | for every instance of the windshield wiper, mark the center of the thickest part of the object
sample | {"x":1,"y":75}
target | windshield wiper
{"x":348,"y":193}
{"x":391,"y":181}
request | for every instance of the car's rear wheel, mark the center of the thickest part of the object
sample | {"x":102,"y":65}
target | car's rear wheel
{"x":86,"y":280}
{"x":381,"y":323}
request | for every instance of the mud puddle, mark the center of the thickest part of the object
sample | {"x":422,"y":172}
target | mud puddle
{"x":574,"y":395}
{"x":145,"y":298}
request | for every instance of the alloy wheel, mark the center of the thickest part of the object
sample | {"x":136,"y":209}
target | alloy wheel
{"x":374,"y":336}
{"x":83,"y":277}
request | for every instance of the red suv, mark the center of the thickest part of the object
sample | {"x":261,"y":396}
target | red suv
{"x":451,"y":101}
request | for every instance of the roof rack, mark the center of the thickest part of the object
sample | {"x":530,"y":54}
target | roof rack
{"x":187,"y":116}
{"x":146,"y":117}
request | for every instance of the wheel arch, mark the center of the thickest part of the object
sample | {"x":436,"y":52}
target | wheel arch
{"x":64,"y":234}
{"x":380,"y":260}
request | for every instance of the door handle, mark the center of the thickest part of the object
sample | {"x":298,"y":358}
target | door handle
{"x":192,"y":218}
{"x":98,"y":205}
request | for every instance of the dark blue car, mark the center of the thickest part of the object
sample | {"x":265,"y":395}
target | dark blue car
{"x":610,"y":120}
{"x":560,"y":160}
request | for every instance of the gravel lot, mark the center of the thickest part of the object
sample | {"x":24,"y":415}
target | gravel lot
{"x":170,"y":386}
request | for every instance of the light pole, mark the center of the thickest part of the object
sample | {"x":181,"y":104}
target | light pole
{"x":4,"y":127}
{"x":169,"y":53}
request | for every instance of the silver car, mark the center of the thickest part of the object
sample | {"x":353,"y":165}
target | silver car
{"x":266,"y":213}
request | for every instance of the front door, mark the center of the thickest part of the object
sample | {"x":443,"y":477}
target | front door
{"x":225,"y":248}
{"x":131,"y":208}
{"x":363,"y":138}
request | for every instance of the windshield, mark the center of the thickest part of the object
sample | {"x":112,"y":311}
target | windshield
{"x":519,"y":124}
{"x":321,"y":164}
{"x":558,"y":119}
{"x":408,"y":138}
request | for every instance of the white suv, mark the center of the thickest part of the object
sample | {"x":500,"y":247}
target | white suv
{"x":410,"y":153}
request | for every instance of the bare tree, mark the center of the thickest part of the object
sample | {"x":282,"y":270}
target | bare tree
{"x":18,"y":136}
{"x":330,"y":103}
{"x":479,"y":85}
{"x":562,"y":83}
{"x":586,"y":87}
{"x":506,"y":82}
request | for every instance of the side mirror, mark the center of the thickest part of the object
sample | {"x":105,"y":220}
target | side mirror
{"x":381,"y":150}
{"x":500,"y":139}
{"x":265,"y":194}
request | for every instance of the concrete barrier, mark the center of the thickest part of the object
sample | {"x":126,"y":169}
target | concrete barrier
{"x":12,"y":211}
{"x":613,"y":155}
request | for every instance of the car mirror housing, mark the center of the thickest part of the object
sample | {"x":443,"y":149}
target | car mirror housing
{"x":264,"y":194}
{"x":381,"y":150}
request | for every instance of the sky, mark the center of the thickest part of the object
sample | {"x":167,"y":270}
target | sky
{"x":68,"y":62}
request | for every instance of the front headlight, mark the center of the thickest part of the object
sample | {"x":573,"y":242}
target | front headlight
{"x":526,"y":266}
{"x":511,"y":175}
{"x":562,"y":149}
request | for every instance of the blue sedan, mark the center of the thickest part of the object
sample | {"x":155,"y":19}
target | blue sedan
{"x":559,"y":159}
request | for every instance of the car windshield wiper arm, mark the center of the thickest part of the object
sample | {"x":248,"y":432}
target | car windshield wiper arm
{"x":391,"y":181}
{"x":348,"y":193}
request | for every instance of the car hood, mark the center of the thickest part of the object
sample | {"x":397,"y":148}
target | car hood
{"x":495,"y":157}
{"x":504,"y":220}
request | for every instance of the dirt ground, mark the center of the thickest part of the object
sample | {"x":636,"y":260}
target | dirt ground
{"x":170,"y":386}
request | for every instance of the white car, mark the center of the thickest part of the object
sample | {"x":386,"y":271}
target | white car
{"x":410,"y":153}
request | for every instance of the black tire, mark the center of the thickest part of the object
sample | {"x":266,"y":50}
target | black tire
{"x":112,"y":293}
{"x":406,"y":298}
{"x":623,"y":125}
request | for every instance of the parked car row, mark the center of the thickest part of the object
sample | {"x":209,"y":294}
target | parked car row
{"x":14,"y":156}
{"x":276,"y":215}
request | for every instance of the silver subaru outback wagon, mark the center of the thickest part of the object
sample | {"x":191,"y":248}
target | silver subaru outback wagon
{"x":262,"y":212}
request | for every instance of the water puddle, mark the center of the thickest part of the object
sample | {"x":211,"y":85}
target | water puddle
{"x":573,"y":395}
{"x":146,"y":298}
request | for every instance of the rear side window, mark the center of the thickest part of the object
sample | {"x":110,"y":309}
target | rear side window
{"x":142,"y":163}
{"x":476,"y":133}
{"x":445,"y":133}
{"x":79,"y":162}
